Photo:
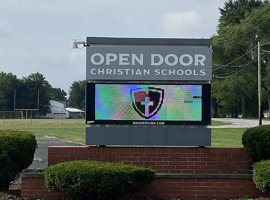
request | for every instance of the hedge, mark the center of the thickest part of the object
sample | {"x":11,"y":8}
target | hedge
{"x":257,"y":142}
{"x":261,"y":175}
{"x":17,"y":150}
{"x":97,"y":180}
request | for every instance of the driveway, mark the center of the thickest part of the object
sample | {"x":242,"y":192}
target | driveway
{"x":238,"y":123}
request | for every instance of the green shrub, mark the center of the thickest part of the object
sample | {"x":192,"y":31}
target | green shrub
{"x":257,"y":142}
{"x":97,"y":180}
{"x":261,"y":175}
{"x":17,"y":150}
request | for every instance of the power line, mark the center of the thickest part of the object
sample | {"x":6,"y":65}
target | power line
{"x":238,"y":66}
{"x":227,"y":76}
{"x":265,"y":43}
{"x":233,"y":66}
{"x":265,"y":51}
{"x":221,"y":66}
{"x":234,"y":73}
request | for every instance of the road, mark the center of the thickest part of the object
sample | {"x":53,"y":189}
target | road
{"x":238,"y":123}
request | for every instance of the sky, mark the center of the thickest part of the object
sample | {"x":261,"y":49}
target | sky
{"x":35,"y":35}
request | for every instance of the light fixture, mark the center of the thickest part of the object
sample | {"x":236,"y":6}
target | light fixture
{"x":75,"y":44}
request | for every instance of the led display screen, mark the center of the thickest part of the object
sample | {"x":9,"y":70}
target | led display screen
{"x":147,"y":103}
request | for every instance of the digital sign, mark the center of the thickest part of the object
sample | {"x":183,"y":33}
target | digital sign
{"x":148,"y":104}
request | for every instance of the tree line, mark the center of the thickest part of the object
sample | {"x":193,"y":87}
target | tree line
{"x":34,"y":91}
{"x":242,"y":24}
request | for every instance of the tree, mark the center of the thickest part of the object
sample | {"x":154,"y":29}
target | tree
{"x":235,"y":11}
{"x":27,"y":90}
{"x":235,"y":56}
{"x":77,"y":94}
{"x":27,"y":93}
{"x":8,"y":82}
{"x":58,"y":94}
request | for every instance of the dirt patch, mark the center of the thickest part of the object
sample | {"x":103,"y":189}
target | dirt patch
{"x":11,"y":195}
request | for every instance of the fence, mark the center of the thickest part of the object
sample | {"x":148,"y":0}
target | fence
{"x":11,"y":114}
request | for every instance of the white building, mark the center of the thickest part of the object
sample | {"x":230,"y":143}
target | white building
{"x":60,"y":111}
{"x":75,"y":113}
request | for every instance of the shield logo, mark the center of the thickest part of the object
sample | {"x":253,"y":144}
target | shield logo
{"x":147,"y":101}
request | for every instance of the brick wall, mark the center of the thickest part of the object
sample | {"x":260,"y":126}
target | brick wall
{"x":164,"y":188}
{"x":183,"y":173}
{"x":163,"y":159}
{"x":202,"y":188}
{"x":34,"y":187}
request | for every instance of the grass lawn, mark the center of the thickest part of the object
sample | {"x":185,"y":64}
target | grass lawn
{"x":227,"y":137}
{"x":74,"y":130}
{"x":67,"y":129}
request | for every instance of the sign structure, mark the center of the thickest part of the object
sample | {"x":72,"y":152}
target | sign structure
{"x":148,"y":83}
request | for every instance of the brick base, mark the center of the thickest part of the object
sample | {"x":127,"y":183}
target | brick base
{"x":162,"y":159}
{"x":34,"y":187}
{"x":201,"y":188}
{"x":182,"y":173}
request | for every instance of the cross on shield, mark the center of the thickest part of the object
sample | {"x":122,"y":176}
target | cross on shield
{"x":147,"y":101}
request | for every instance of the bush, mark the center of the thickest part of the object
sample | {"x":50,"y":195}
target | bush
{"x":17,"y":150}
{"x":261,"y":175}
{"x":257,"y":142}
{"x":97,"y":180}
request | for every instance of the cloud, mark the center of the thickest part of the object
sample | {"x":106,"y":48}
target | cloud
{"x":35,"y":35}
{"x":5,"y":27}
{"x":76,"y":58}
{"x":181,"y":24}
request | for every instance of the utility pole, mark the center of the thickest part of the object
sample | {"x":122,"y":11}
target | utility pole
{"x":259,"y":85}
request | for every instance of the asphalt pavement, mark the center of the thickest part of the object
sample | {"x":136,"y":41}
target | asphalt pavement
{"x":41,"y":154}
